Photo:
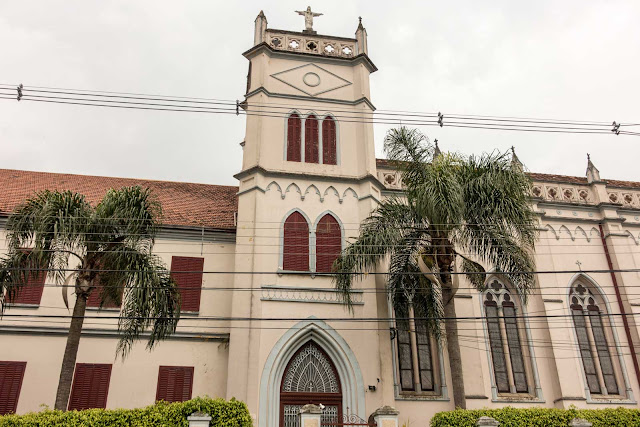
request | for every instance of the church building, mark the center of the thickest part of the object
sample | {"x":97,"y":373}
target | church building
{"x":259,"y":324}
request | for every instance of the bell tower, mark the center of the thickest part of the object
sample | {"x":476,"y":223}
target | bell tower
{"x":308,"y":179}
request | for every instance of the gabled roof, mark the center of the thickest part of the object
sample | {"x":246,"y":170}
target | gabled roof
{"x":184,"y":204}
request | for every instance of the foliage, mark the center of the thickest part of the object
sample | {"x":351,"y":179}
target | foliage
{"x":105,"y":249}
{"x":231,"y":413}
{"x":452,"y":206}
{"x":538,"y":417}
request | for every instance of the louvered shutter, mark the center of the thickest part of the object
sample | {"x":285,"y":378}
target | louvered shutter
{"x":94,"y":300}
{"x":175,"y":383}
{"x":31,"y":292}
{"x":328,"y":243}
{"x":187,"y":273}
{"x":329,"y":156}
{"x":405,"y":360}
{"x":423,"y":341}
{"x":602,"y":348}
{"x":90,"y":386}
{"x":515,"y":349}
{"x":585,"y":350}
{"x":11,"y":375}
{"x":296,"y":243}
{"x":497,"y":349}
{"x":294,"y":129}
{"x":311,"y":139}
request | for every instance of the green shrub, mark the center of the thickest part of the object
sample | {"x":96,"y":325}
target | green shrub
{"x":538,"y":417}
{"x":224,"y":413}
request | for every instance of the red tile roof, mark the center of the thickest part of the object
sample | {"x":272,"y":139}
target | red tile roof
{"x":184,"y":204}
{"x":384,"y":163}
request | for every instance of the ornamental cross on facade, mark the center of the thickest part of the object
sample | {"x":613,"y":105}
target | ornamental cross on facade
{"x":308,"y":18}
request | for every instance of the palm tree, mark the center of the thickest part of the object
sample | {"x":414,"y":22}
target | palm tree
{"x":111,"y":245}
{"x":455,"y":211}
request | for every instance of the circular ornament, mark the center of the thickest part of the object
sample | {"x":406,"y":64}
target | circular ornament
{"x":311,"y":79}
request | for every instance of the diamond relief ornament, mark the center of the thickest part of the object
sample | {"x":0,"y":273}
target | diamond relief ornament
{"x":311,"y":79}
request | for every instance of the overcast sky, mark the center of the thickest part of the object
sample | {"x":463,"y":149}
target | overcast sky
{"x":551,"y":59}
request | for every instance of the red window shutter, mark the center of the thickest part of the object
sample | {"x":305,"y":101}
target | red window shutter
{"x":296,"y":243}
{"x":328,"y":243}
{"x":94,"y":300}
{"x":294,"y":130}
{"x":90,"y":386}
{"x":311,"y":139}
{"x":11,"y":375}
{"x":329,"y":156}
{"x":175,"y":383}
{"x":187,"y":272}
{"x":31,"y":292}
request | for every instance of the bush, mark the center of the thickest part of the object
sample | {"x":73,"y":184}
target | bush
{"x":224,"y":413}
{"x":538,"y":417}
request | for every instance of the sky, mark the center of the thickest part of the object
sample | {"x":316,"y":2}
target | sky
{"x":577,"y":60}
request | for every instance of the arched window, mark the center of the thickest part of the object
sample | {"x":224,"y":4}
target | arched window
{"x":510,"y":366}
{"x":294,"y":130}
{"x":416,"y":360}
{"x":311,"y":139}
{"x":329,"y":156}
{"x":599,"y":368}
{"x":328,"y":243}
{"x":296,"y":243}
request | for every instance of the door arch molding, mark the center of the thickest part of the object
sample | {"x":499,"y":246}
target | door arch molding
{"x":336,"y":348}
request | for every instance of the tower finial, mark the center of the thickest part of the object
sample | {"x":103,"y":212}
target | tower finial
{"x":515,"y":161}
{"x":308,"y":19}
{"x":436,"y":150}
{"x":593,"y":174}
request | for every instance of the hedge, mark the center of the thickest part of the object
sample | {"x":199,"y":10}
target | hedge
{"x":224,"y":413}
{"x":538,"y":417}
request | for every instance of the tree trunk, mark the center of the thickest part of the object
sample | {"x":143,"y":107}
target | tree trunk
{"x":453,"y":348}
{"x":71,"y":352}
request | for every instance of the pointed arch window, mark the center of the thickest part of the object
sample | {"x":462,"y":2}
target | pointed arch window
{"x":311,"y":139}
{"x":509,"y":358}
{"x":294,"y":133}
{"x":328,"y":243}
{"x":592,"y":331}
{"x":414,"y":344}
{"x":329,"y":155}
{"x":295,"y":253}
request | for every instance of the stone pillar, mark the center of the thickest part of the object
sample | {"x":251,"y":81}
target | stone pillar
{"x":310,"y":415}
{"x":386,"y":416}
{"x":579,"y":422}
{"x":199,"y":419}
{"x":487,"y":422}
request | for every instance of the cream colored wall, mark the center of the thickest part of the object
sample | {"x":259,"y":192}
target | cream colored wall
{"x":134,"y":379}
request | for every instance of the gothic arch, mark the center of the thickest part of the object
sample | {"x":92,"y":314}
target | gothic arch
{"x":277,"y":186}
{"x":625,"y":388}
{"x":337,"y":126}
{"x":326,"y":192}
{"x":284,"y":219}
{"x":333,"y":345}
{"x":286,"y":134}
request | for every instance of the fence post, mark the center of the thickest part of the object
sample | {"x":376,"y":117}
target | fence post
{"x":579,"y":422}
{"x":487,"y":422}
{"x":386,"y":416}
{"x":310,"y":415}
{"x":199,"y":419}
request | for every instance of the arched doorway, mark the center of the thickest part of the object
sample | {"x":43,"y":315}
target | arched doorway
{"x":310,"y":377}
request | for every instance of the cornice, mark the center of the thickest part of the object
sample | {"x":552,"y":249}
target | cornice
{"x":300,"y":56}
{"x":302,"y":175}
{"x":261,"y":89}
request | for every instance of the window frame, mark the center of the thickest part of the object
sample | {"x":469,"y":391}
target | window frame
{"x":200,"y":260}
{"x":18,"y":388}
{"x":314,"y":238}
{"x":76,"y":370}
{"x":283,"y":253}
{"x":165,"y":368}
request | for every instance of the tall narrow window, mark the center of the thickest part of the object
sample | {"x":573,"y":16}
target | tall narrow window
{"x":328,"y":243}
{"x":90,"y":386}
{"x":175,"y":383}
{"x":414,"y":347}
{"x":311,"y":139}
{"x":296,"y":243}
{"x":187,"y":273}
{"x":329,"y":156}
{"x":294,"y":132}
{"x":11,"y":375}
{"x":507,"y":353}
{"x":599,"y":368}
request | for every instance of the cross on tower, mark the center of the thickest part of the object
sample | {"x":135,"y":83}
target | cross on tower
{"x":579,"y":264}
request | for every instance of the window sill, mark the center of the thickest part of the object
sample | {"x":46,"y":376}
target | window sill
{"x":22,"y":305}
{"x":418,"y":396}
{"x":613,"y":399}
{"x":190,"y":313}
{"x":106,"y":309}
{"x":517,"y":398}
